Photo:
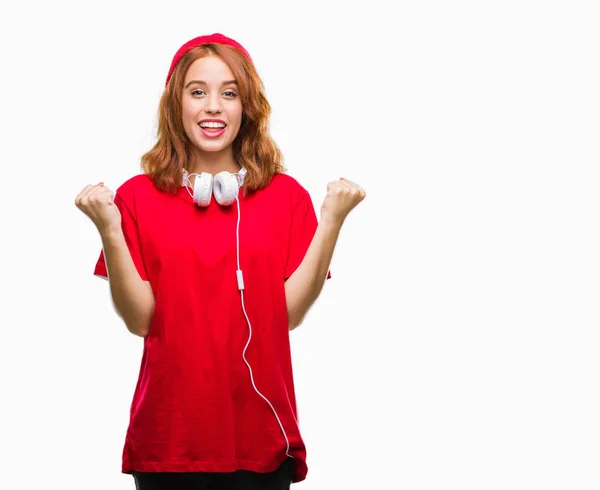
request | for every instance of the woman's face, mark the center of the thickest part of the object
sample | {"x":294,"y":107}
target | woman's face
{"x":209,"y":94}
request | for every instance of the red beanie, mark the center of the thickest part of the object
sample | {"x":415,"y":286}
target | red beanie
{"x":213,"y":38}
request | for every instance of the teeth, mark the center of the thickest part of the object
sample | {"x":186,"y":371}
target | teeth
{"x":212,"y":125}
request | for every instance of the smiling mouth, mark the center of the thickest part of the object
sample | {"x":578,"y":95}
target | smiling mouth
{"x":217,"y":127}
{"x":212,"y":132}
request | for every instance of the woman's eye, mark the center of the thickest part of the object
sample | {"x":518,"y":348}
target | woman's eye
{"x":232,"y":93}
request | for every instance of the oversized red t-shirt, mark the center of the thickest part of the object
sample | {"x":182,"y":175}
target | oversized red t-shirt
{"x":194,"y":407}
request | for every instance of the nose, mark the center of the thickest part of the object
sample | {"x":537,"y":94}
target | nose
{"x":213,"y":103}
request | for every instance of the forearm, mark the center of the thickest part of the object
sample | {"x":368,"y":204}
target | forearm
{"x":132,"y":297}
{"x":303,"y":287}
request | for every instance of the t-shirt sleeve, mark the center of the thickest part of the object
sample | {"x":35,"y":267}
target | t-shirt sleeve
{"x":303,"y":226}
{"x":132,"y":238}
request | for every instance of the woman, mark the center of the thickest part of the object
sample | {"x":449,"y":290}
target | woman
{"x":214,"y":287}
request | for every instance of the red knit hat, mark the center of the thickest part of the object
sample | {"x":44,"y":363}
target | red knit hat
{"x":213,"y":38}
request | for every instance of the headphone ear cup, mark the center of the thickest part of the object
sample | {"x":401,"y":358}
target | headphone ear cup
{"x":225,"y":188}
{"x":203,"y":189}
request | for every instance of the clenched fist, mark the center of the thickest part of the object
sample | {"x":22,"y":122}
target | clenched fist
{"x":96,"y":201}
{"x":342,"y":196}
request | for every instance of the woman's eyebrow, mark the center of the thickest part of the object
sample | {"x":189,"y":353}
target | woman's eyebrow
{"x":202,"y":82}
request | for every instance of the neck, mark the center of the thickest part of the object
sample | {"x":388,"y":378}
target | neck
{"x":213,"y":162}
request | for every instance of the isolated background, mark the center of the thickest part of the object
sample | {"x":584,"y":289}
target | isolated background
{"x":456,"y":345}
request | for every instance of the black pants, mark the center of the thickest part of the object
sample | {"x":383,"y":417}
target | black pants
{"x":280,"y":479}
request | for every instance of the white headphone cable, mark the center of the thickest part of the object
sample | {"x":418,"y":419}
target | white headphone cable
{"x":241,"y":288}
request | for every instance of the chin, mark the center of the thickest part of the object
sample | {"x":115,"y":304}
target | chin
{"x":212,"y":147}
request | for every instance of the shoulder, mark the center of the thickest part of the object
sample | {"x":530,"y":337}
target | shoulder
{"x":134,"y":185}
{"x":286,"y":180}
{"x":286,"y":185}
{"x":135,"y":189}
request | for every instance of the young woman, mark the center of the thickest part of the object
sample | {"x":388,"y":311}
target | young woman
{"x":213,"y":254}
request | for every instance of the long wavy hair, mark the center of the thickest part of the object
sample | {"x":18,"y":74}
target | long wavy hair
{"x":253,"y":147}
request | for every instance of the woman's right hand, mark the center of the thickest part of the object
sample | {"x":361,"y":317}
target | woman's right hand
{"x":96,"y":201}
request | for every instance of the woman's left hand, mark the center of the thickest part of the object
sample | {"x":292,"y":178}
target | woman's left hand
{"x":342,"y":196}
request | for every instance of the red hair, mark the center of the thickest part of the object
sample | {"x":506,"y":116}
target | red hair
{"x":253,"y":148}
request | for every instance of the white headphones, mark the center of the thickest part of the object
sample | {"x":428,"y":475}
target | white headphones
{"x":224,"y":186}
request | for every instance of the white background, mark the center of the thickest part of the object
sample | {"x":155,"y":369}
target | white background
{"x":457,"y":344}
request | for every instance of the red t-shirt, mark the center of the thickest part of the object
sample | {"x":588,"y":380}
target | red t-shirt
{"x":194,"y":407}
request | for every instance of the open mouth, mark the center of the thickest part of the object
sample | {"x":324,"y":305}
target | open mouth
{"x":212,"y":130}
